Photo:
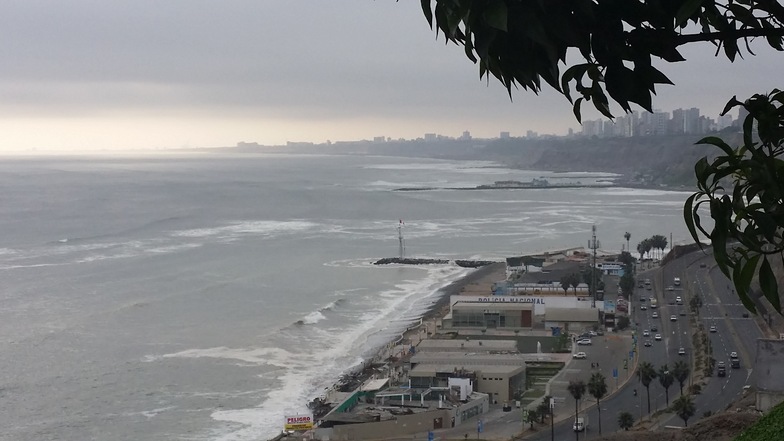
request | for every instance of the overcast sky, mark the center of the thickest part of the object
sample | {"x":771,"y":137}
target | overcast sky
{"x":83,"y":74}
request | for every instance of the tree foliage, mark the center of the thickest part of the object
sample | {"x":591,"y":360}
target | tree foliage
{"x":666,"y":378}
{"x":600,"y":51}
{"x":681,"y":371}
{"x":625,"y":420}
{"x":744,"y":190}
{"x":646,"y":373}
{"x":577,"y":390}
{"x":524,"y":43}
{"x":684,"y":408}
{"x":597,"y":387}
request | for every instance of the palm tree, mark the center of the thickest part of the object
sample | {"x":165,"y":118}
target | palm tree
{"x":625,"y":420}
{"x":577,"y":389}
{"x":684,"y":408}
{"x":597,"y":387}
{"x":627,"y":236}
{"x":646,"y":373}
{"x":543,"y":409}
{"x":659,"y":242}
{"x":565,"y":283}
{"x":574,"y":280}
{"x":681,"y":373}
{"x":666,"y":379}
{"x":532,"y":417}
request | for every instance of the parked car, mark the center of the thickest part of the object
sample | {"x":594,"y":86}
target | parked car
{"x":584,"y":341}
{"x":657,"y":337}
{"x":580,"y":355}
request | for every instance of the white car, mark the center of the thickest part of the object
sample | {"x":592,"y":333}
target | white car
{"x":682,"y":351}
{"x":579,"y":355}
{"x":673,"y":318}
{"x":657,"y":337}
{"x":712,"y":329}
{"x":678,"y":300}
{"x":646,"y":333}
{"x":584,"y":341}
{"x":643,"y":308}
{"x":670,"y":288}
{"x":733,"y":354}
{"x":655,"y":314}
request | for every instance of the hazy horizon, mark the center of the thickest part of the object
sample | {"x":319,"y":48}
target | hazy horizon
{"x":88,"y":76}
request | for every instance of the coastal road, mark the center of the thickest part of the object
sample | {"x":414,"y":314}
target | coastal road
{"x":722,"y":309}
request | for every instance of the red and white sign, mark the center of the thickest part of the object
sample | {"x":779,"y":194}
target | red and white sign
{"x":299,"y":422}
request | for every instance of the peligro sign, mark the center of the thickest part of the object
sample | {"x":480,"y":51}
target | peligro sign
{"x":299,"y":422}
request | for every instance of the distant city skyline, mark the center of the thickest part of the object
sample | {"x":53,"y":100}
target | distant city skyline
{"x":658,"y":122}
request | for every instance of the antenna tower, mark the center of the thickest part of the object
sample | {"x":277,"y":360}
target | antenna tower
{"x":401,"y":247}
{"x":593,"y":244}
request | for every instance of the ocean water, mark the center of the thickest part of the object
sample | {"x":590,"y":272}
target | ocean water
{"x":204,"y":297}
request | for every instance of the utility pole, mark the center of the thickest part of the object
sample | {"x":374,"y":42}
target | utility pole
{"x":593,"y":244}
{"x":401,"y":248}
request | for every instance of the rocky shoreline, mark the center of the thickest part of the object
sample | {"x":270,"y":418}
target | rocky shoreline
{"x":479,"y":280}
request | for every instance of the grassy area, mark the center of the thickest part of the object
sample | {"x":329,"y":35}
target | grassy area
{"x":770,"y":427}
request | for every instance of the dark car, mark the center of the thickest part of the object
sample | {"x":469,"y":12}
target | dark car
{"x":654,"y":328}
{"x":721,"y":369}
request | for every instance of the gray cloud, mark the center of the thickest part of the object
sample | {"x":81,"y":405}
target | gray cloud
{"x":292,"y":59}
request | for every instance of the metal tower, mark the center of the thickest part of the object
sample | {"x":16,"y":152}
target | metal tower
{"x":401,"y":247}
{"x":593,"y":244}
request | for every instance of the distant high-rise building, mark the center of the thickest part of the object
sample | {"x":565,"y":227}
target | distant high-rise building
{"x":466,"y":135}
{"x":430,"y":137}
{"x":723,"y":122}
{"x":504,"y":135}
{"x":379,"y":139}
{"x":531,"y":134}
{"x":691,"y":120}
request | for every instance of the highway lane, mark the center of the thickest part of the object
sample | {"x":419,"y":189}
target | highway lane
{"x":722,"y":309}
{"x":624,"y":400}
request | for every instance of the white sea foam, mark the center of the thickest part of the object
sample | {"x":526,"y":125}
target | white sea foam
{"x":313,"y":318}
{"x":306,"y":373}
{"x":278,"y":357}
{"x":258,"y":228}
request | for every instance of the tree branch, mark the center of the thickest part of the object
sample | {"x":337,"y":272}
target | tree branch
{"x":723,"y":35}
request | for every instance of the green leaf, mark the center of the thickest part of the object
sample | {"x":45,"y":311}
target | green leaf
{"x":428,"y":12}
{"x":718,"y":142}
{"x":496,"y":15}
{"x":686,"y":10}
{"x":769,"y":286}
{"x":688,"y":217}
{"x":576,"y":109}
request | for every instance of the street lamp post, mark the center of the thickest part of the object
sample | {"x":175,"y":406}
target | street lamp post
{"x":552,"y":424}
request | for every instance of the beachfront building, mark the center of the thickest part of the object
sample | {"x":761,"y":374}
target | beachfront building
{"x":501,"y":376}
{"x":571,"y":320}
{"x":511,"y":313}
{"x":370,"y":414}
